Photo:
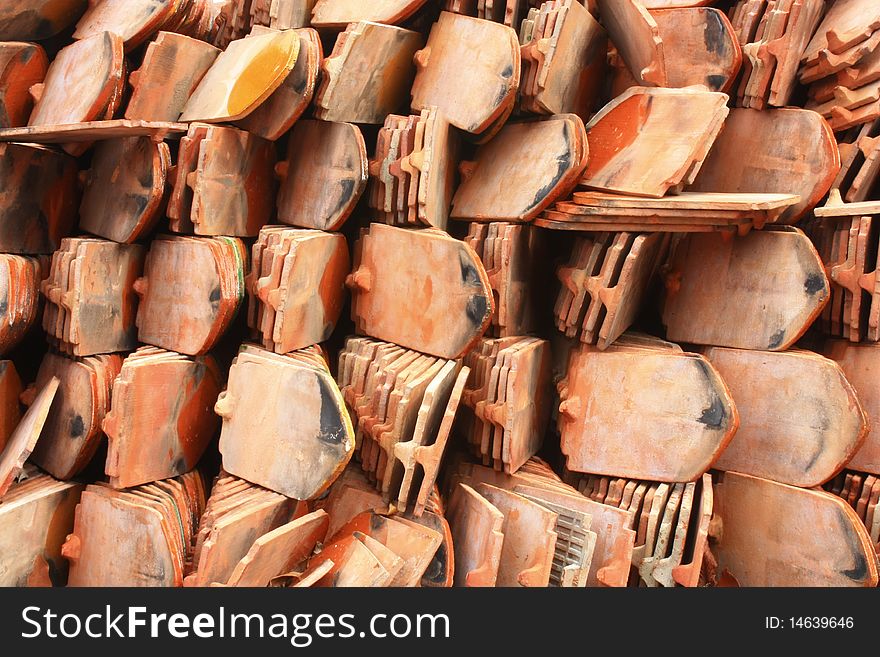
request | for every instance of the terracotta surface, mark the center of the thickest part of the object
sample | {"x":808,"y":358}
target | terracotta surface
{"x":296,"y":287}
{"x":279,"y":550}
{"x":612,"y":555}
{"x":624,"y":135}
{"x":514,"y":276}
{"x":521,"y":171}
{"x":22,"y":65}
{"x":149,"y":529}
{"x":25,"y":436}
{"x":687,"y":212}
{"x":563,"y":68}
{"x":669,"y":550}
{"x":783,"y":149}
{"x":508,"y":395}
{"x":190,"y":291}
{"x":74,"y":137}
{"x":849,"y":23}
{"x":446,"y":290}
{"x":337,"y":14}
{"x":638,"y":38}
{"x":282,"y":14}
{"x":609,"y":273}
{"x":229,"y":529}
{"x":38,"y":19}
{"x":403,"y":405}
{"x":861,"y":492}
{"x":364,"y":472}
{"x":125,"y":188}
{"x":413,"y":543}
{"x":369,"y":73}
{"x":857,"y":362}
{"x":133,"y":20}
{"x":20,"y":294}
{"x":477,"y":536}
{"x":349,"y":496}
{"x":312,"y":441}
{"x":83,"y":315}
{"x":39,"y":199}
{"x":72,"y":432}
{"x":80,"y":82}
{"x":789,"y":431}
{"x":172,"y":68}
{"x":263,"y":61}
{"x":773,"y":36}
{"x":699,"y":47}
{"x":160,"y":422}
{"x":529,"y":538}
{"x":10,"y":410}
{"x":482,"y":93}
{"x":846,"y":248}
{"x":720,"y":290}
{"x":768,"y":534}
{"x":323,"y":175}
{"x":358,"y":561}
{"x":213,"y":160}
{"x":36,"y":514}
{"x":613,"y":401}
{"x":282,"y":109}
{"x":414,"y":170}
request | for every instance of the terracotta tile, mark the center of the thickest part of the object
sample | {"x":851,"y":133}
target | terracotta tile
{"x":637,"y":36}
{"x":318,"y":150}
{"x":802,"y":290}
{"x":38,"y":207}
{"x":651,"y":114}
{"x":353,"y":565}
{"x":778,"y":415}
{"x":25,"y":436}
{"x":614,"y":541}
{"x":97,"y":318}
{"x":124,"y":188}
{"x":764,"y":152}
{"x":759,"y":540}
{"x":230,"y":536}
{"x":143,"y":525}
{"x":72,"y":432}
{"x":286,"y":105}
{"x":212,"y":161}
{"x":189,"y":291}
{"x":32,"y":21}
{"x":22,"y":65}
{"x":477,"y":537}
{"x":849,"y":23}
{"x":413,"y":543}
{"x":368,"y":74}
{"x":464,"y":303}
{"x":37,"y":515}
{"x":482,"y":93}
{"x":133,"y":21}
{"x":573,"y":63}
{"x":307,"y":460}
{"x":335,"y":14}
{"x":273,"y":55}
{"x":590,"y":380}
{"x":172,"y":68}
{"x":10,"y":389}
{"x":528,"y":551}
{"x":160,"y":422}
{"x":94,"y":67}
{"x":556,"y":152}
{"x":686,"y":33}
